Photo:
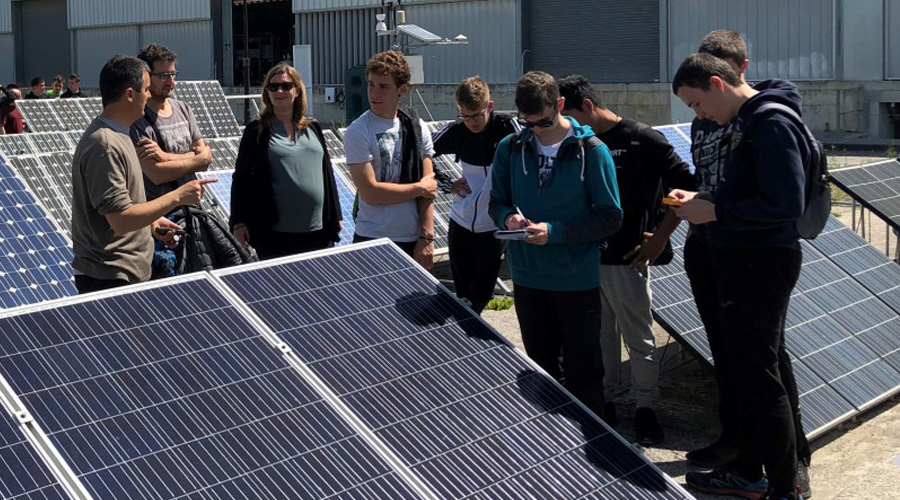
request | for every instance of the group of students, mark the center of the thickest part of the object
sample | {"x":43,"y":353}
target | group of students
{"x":11,"y":119}
{"x":578,"y":187}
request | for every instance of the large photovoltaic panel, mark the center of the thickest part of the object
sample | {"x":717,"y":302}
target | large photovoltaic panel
{"x":876,"y":186}
{"x":71,"y":114}
{"x":91,"y":107}
{"x":192,"y":404}
{"x":23,"y":474}
{"x":34,"y":255}
{"x":217,"y":195}
{"x":49,"y":177}
{"x":210,"y":108}
{"x":463,"y":410}
{"x":40,"y":115}
{"x":680,"y":141}
{"x":224,"y":153}
{"x":51,"y":142}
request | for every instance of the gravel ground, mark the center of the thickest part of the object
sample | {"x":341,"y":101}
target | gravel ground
{"x":859,"y":459}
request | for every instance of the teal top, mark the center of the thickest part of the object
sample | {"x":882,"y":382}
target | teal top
{"x":297,"y":182}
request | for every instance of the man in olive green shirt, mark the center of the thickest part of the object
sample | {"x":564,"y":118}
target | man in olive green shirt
{"x":112,"y":224}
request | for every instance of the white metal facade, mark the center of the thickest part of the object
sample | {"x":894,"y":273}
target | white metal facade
{"x":93,"y":13}
{"x":344,"y":38}
{"x":792,"y":39}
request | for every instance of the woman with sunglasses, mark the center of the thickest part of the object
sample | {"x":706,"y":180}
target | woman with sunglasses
{"x":283,"y":196}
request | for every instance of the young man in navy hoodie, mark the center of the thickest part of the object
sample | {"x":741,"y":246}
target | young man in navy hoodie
{"x":756,"y":256}
{"x":556,"y":181}
{"x":710,"y":146}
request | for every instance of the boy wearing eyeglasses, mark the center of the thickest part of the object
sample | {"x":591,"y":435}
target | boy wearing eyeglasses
{"x":474,"y":252}
{"x":167,"y":137}
{"x":557,"y":181}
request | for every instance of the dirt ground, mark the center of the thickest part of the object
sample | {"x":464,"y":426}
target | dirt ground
{"x":859,"y":459}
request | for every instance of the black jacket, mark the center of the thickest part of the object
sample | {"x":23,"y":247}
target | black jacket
{"x":252,"y":196}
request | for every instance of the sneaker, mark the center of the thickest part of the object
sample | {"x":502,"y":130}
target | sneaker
{"x":646,"y":428}
{"x":714,"y":456}
{"x":803,"y":488}
{"x":727,"y":482}
{"x":609,"y":414}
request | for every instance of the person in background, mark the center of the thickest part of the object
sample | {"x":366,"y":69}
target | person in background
{"x":56,"y":89}
{"x":74,"y":89}
{"x":37,"y":89}
{"x":284,"y":198}
{"x":11,"y":119}
{"x":474,"y":252}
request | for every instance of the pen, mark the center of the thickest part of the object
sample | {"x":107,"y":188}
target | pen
{"x":521,"y":215}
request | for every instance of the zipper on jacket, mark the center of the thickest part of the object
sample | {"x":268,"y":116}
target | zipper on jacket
{"x":475,"y":216}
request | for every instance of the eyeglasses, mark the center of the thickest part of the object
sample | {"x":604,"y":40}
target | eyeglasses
{"x":168,"y":75}
{"x":477,"y":117}
{"x":283,"y":86}
{"x":543,"y":122}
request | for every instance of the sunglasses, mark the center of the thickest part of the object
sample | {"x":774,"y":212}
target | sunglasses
{"x":543,"y":122}
{"x":283,"y":86}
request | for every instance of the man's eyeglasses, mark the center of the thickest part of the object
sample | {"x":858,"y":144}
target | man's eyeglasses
{"x":477,"y":117}
{"x":168,"y":75}
{"x":283,"y":86}
{"x":543,"y":122}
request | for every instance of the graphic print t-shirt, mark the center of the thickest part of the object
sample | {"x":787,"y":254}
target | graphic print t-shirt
{"x":547,"y":157}
{"x":380,"y":141}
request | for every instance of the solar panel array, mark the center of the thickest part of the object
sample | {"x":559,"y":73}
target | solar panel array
{"x":841,"y":325}
{"x":382,"y":386}
{"x":49,"y":176}
{"x":42,"y":142}
{"x":59,"y":115}
{"x":35,"y":255}
{"x":876,"y":186}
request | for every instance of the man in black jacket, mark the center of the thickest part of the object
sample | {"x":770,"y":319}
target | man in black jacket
{"x":646,"y":168}
{"x":756,"y":256}
{"x":474,"y":252}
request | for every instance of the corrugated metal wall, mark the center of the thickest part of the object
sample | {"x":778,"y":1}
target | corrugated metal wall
{"x":8,"y":62}
{"x":892,"y":39}
{"x":317,"y":5}
{"x":93,"y":13}
{"x":5,"y":16}
{"x":345,"y":38}
{"x":192,"y":41}
{"x":791,"y":39}
{"x":604,"y":41}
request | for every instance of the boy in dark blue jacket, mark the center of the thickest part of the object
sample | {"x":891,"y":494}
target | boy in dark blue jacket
{"x":756,"y":256}
{"x":557,"y":181}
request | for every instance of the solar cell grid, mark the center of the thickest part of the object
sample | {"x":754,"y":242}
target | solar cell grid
{"x":201,"y":408}
{"x":219,"y":111}
{"x":461,"y":408}
{"x":51,"y":142}
{"x":72,"y":115}
{"x":91,"y":107}
{"x":40,"y":114}
{"x":334,"y":144}
{"x":24,"y":475}
{"x":680,"y":141}
{"x":347,"y":195}
{"x":34,"y":255}
{"x":49,"y":176}
{"x":218,"y":194}
{"x":15,"y":144}
{"x":876,"y":186}
{"x":224,"y":153}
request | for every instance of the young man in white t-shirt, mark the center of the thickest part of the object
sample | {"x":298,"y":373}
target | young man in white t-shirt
{"x":389,"y":156}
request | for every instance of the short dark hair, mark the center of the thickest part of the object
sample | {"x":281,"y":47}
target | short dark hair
{"x":154,"y":52}
{"x":576,"y":88}
{"x":120,"y":74}
{"x":536,"y":91}
{"x":696,"y":70}
{"x":725,"y":44}
{"x":12,"y":86}
{"x":36,"y":81}
{"x":389,"y":62}
{"x":473,"y":93}
{"x":74,"y":76}
{"x":57,"y":78}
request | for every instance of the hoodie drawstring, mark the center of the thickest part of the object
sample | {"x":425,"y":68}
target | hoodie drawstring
{"x":581,"y":144}
{"x":524,"y":170}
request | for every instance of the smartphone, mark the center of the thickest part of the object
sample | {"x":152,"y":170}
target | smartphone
{"x":515,"y":234}
{"x":674,"y":202}
{"x":165,"y":230}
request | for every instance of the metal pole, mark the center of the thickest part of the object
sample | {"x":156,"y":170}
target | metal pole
{"x":246,"y":64}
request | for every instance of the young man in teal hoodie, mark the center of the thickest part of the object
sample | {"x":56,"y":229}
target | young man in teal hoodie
{"x":557,"y":181}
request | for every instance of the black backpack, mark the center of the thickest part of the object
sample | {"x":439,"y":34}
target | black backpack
{"x":818,"y":196}
{"x":208,"y":243}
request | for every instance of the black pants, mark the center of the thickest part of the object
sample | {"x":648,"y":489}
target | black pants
{"x":271,"y":244}
{"x":475,"y":263}
{"x":754,"y":288}
{"x":408,"y":247}
{"x":86,"y":284}
{"x":698,"y":263}
{"x":550,"y":319}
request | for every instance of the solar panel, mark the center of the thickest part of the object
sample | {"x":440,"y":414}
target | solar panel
{"x":334,"y":144}
{"x":71,"y":114}
{"x":876,"y":186}
{"x":211,"y":110}
{"x":217,"y":196}
{"x":15,"y":144}
{"x":49,"y":177}
{"x":24,"y":474}
{"x":417,"y":32}
{"x":91,"y":107}
{"x":193,"y":403}
{"x":224,"y":154}
{"x":51,"y":142}
{"x":34,"y":254}
{"x":347,"y":195}
{"x":40,"y":115}
{"x":467,"y":413}
{"x":680,"y":141}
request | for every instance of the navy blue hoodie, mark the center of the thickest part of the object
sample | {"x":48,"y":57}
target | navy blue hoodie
{"x":760,"y":195}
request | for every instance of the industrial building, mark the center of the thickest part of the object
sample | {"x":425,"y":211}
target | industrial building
{"x":840,"y":52}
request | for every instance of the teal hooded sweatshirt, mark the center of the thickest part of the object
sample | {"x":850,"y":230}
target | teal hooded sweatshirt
{"x":579,"y":203}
